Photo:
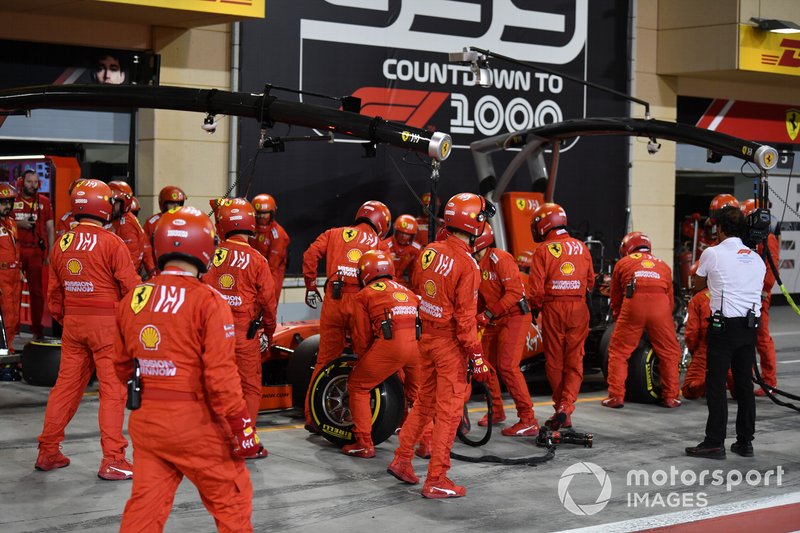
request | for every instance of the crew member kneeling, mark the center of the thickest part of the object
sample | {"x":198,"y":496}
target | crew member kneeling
{"x":642,"y":300}
{"x":384,"y":336}
{"x":178,"y":334}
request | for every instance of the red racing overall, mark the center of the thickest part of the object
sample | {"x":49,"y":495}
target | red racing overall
{"x":243,"y":278}
{"x":561,"y":274}
{"x":273,"y":243}
{"x":699,"y":309}
{"x":181,"y":332}
{"x":10,"y":280}
{"x":503,"y":339}
{"x":90,"y":272}
{"x":379,"y":358}
{"x":449,"y":278}
{"x":650,"y":309}
{"x":341,"y":248}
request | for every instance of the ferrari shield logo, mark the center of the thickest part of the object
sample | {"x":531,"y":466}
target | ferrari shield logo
{"x":636,"y":255}
{"x":65,"y":241}
{"x":555,"y":249}
{"x":792,"y":122}
{"x":349,"y":234}
{"x":141,"y":295}
{"x":220,"y":255}
{"x":521,"y":204}
{"x":427,"y":258}
{"x":379,"y":286}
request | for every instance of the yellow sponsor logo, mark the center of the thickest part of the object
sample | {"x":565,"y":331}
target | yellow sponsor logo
{"x":400,"y":296}
{"x":74,"y":266}
{"x":150,"y":337}
{"x":220,"y":255}
{"x":430,"y":288}
{"x":427,"y":258}
{"x":65,"y":241}
{"x":141,"y":295}
{"x":792,"y":126}
{"x":521,"y":203}
{"x":636,"y":255}
{"x":567,"y":268}
{"x":648,"y":264}
{"x":354,"y":255}
{"x":226,"y":281}
{"x":349,"y":234}
{"x":379,"y":286}
{"x":405,"y":136}
{"x":445,"y":149}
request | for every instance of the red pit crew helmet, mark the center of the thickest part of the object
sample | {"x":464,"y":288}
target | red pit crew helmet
{"x":545,"y":218}
{"x":374,"y":264}
{"x":264,"y":203}
{"x":377,"y":215}
{"x":720,"y":201}
{"x":405,"y":228}
{"x":184,"y":233}
{"x":468,"y":212}
{"x":235,"y":215}
{"x":635,"y":241}
{"x":485,"y":240}
{"x":92,"y":199}
{"x":169,"y":194}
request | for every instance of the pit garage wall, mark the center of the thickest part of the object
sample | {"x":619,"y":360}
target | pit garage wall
{"x":394,"y":56}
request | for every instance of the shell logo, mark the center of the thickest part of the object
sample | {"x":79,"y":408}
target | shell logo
{"x":430,"y":288}
{"x":567,"y":268}
{"x":150,"y":337}
{"x":74,"y":266}
{"x":354,"y":255}
{"x":226,"y":281}
{"x":648,"y":264}
{"x":400,"y":296}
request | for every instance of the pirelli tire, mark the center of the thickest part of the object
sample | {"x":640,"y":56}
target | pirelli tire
{"x":330,"y":408}
{"x":41,"y":361}
{"x":299,"y":368}
{"x":644,"y":381}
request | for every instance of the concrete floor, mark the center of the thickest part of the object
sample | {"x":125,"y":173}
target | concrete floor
{"x":307,"y":485}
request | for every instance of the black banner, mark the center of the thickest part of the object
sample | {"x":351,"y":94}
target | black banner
{"x":393,"y":55}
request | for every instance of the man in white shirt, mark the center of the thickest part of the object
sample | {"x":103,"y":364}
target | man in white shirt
{"x":734,"y":275}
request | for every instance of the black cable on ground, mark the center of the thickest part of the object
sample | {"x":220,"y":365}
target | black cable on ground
{"x":533,"y":460}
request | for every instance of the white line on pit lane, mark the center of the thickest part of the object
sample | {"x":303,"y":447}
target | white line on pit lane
{"x":784,"y":333}
{"x":693,"y":515}
{"x":787,"y":362}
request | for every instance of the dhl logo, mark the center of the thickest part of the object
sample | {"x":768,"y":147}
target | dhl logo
{"x":790,"y":56}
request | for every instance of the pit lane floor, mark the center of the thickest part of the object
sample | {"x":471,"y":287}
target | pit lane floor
{"x":307,"y":485}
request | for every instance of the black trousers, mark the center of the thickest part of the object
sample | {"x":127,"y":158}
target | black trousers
{"x":734,"y":348}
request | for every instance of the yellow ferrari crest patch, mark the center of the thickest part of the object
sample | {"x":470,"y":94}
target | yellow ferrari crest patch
{"x":555,"y":249}
{"x":141,"y":295}
{"x":220,"y":255}
{"x":65,"y":241}
{"x":427,"y":258}
{"x":349,"y":234}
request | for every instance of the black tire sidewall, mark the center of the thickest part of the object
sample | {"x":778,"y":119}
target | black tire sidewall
{"x":387,"y":396}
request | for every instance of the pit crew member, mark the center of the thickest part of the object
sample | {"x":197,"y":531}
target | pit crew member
{"x":450,"y":279}
{"x":242,"y":276}
{"x":642,"y":299}
{"x":341,"y":248}
{"x":505,"y":318}
{"x":191,"y":419}
{"x":90,"y":272}
{"x":561,"y":275}
{"x":384,"y":336}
